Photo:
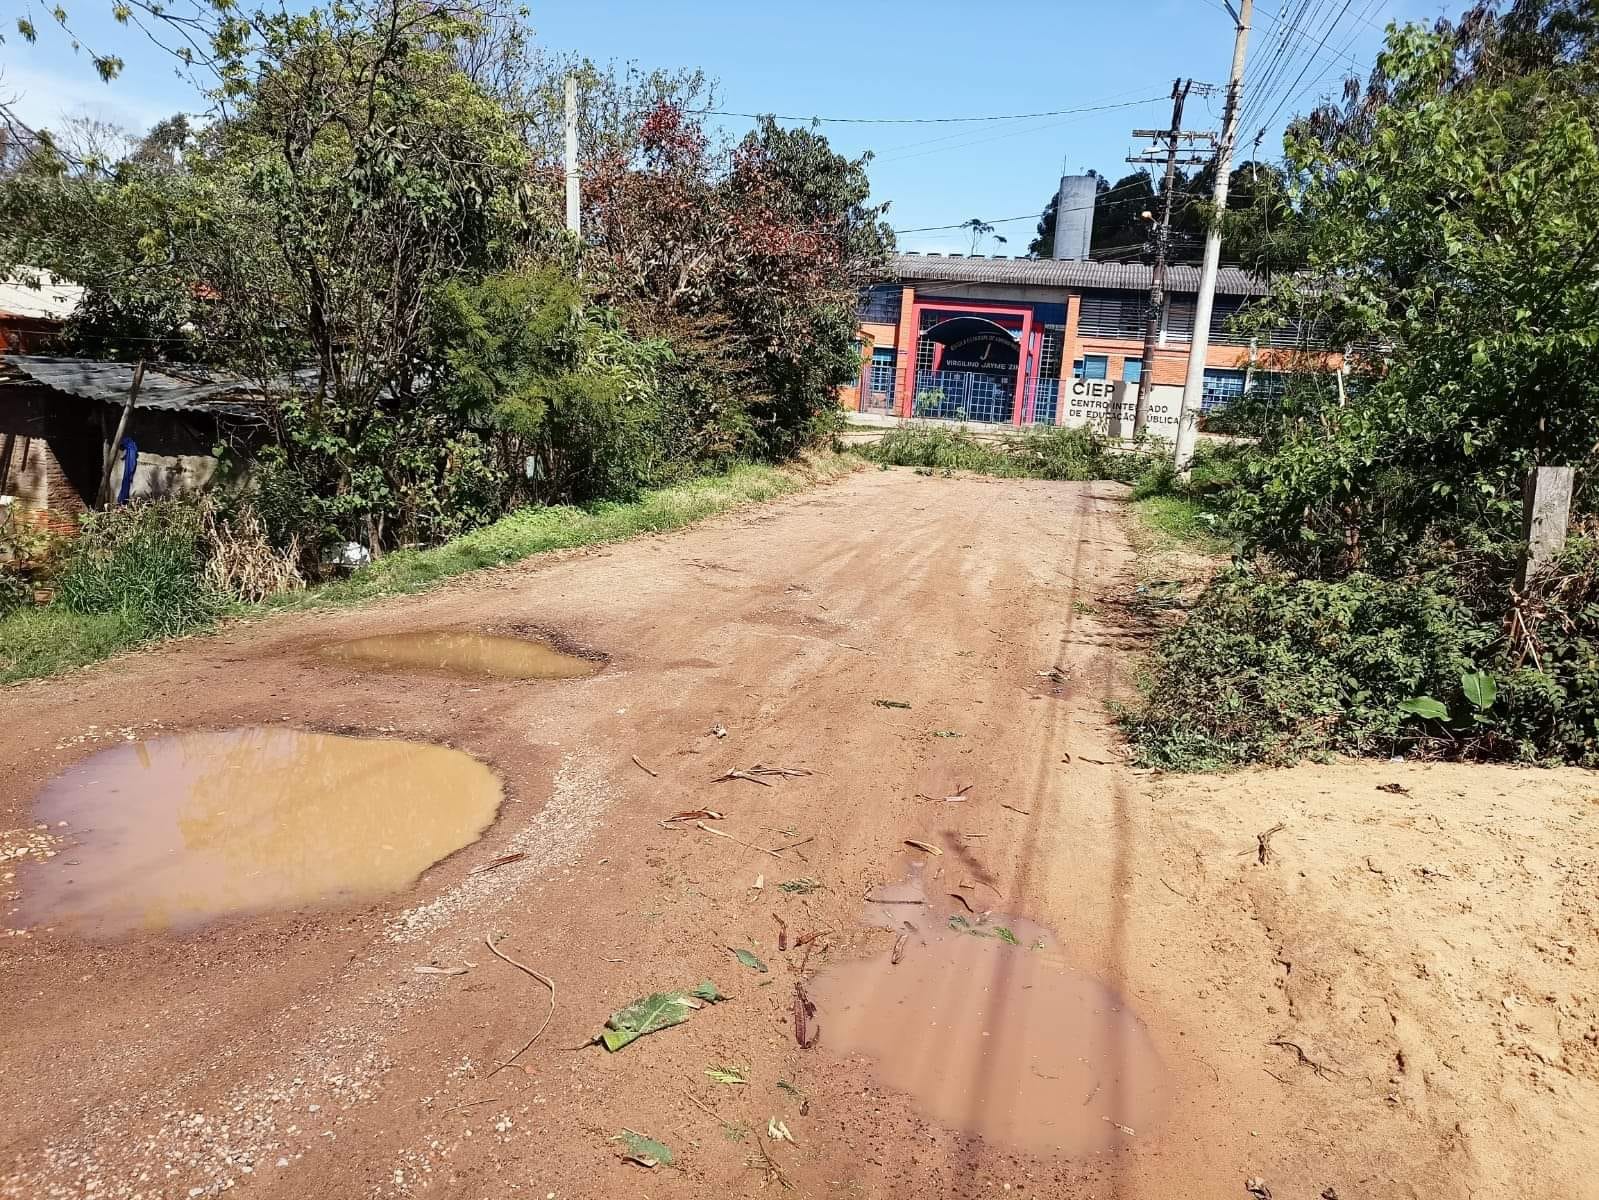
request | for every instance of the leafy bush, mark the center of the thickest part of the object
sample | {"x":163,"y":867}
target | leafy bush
{"x":1047,"y":452}
{"x":145,"y":561}
{"x":1270,"y":668}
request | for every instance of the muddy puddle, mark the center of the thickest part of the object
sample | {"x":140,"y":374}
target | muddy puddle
{"x":988,"y":1031}
{"x":482,"y":655}
{"x":177,"y":831}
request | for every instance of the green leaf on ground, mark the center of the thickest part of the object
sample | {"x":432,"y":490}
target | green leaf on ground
{"x":1480,"y":689}
{"x":1424,"y":706}
{"x":802,"y":887}
{"x":945,"y":733}
{"x":660,"y":1010}
{"x":748,"y":960}
{"x":785,"y":1085}
{"x":891,"y":703}
{"x":645,"y":1151}
{"x":727,"y":1074}
{"x":1005,"y":935}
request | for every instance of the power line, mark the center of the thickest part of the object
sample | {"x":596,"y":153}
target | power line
{"x":1058,"y":112}
{"x":1032,"y":216}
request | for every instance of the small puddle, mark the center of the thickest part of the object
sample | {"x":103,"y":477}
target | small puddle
{"x":460,"y":653}
{"x":994,"y":1037}
{"x":177,"y":831}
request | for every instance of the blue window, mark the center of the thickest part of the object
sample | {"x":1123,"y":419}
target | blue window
{"x":1132,"y":369}
{"x":1220,"y":387}
{"x":1092,"y":366}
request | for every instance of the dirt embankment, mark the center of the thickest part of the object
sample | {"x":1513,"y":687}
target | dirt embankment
{"x":1396,"y":1002}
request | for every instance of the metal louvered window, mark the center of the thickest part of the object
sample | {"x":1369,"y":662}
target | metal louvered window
{"x":1112,"y":315}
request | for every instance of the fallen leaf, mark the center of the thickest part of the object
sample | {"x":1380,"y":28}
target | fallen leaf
{"x":693,"y":814}
{"x":1398,"y":789}
{"x":778,"y":1131}
{"x":804,"y":1010}
{"x":891,"y":703}
{"x":759,"y":884}
{"x":899,"y":949}
{"x":499,"y":862}
{"x":440,"y":970}
{"x":737,"y":774}
{"x":748,"y":959}
{"x":657,"y":1011}
{"x":1257,"y":1188}
{"x":645,"y":1151}
{"x":800,"y":887}
{"x":727,"y":1074}
{"x":923,"y":846}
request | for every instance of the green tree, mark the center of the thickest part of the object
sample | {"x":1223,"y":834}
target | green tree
{"x":1452,"y":239}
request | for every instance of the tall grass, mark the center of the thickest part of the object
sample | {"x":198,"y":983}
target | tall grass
{"x":125,"y":580}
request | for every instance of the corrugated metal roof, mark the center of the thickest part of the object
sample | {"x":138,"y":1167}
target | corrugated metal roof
{"x":53,"y":300}
{"x":168,"y":386}
{"x":1045,"y":272}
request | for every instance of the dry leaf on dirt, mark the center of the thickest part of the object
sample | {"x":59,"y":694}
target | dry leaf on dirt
{"x":891,"y":703}
{"x":440,"y":970}
{"x":923,"y":846}
{"x":778,"y":1131}
{"x":804,"y":1033}
{"x":692,"y":814}
{"x":727,"y":1074}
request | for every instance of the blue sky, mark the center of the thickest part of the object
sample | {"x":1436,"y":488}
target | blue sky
{"x":894,"y":58}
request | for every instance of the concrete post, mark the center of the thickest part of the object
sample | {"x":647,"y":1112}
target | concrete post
{"x":1545,"y":507}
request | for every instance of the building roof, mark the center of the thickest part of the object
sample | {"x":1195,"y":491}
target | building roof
{"x":53,"y":300}
{"x":1063,"y":273}
{"x":167,"y":386}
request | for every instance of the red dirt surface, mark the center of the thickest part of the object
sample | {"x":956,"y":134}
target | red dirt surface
{"x":1399,"y":1002}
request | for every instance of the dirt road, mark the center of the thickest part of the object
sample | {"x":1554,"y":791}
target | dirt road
{"x":1398,"y":1001}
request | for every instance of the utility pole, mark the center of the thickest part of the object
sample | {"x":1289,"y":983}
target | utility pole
{"x":574,"y":194}
{"x":1193,"y":385}
{"x":1173,"y":137}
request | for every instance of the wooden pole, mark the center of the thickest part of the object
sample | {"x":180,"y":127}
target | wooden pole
{"x":116,"y":438}
{"x":1546,"y":509}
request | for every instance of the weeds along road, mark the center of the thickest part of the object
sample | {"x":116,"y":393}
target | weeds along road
{"x":302,"y":1055}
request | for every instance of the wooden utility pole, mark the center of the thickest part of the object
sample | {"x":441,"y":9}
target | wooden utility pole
{"x":1173,"y":138}
{"x":574,"y":195}
{"x":1194,"y":383}
{"x":1546,"y":511}
{"x":116,"y":438}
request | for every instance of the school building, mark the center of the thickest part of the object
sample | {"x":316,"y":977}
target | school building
{"x":1048,"y":341}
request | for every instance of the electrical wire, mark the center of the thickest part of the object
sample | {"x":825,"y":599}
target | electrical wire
{"x":1058,"y":112}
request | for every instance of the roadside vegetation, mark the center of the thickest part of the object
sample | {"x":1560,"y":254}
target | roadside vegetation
{"x":151,"y":569}
{"x":1373,"y":604}
{"x":1033,"y":453}
{"x":368,"y":228}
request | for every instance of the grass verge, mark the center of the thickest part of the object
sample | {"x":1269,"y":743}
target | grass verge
{"x":36,"y":642}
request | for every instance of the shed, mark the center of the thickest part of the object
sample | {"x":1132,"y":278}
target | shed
{"x":58,"y":415}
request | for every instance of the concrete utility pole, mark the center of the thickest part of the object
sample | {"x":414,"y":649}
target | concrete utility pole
{"x":1162,"y":233}
{"x":1194,"y":383}
{"x":574,"y":214}
{"x":106,"y":495}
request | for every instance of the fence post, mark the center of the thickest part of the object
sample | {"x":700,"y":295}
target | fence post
{"x":1545,"y":509}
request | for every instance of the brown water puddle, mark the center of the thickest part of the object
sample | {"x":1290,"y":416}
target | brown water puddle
{"x":463,"y":653}
{"x":170,"y":833}
{"x":992,"y":1036}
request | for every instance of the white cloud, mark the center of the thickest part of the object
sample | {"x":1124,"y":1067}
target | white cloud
{"x":42,"y":97}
